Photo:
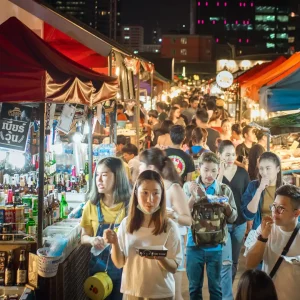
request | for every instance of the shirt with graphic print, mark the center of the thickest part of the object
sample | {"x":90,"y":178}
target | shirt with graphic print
{"x":182,"y":161}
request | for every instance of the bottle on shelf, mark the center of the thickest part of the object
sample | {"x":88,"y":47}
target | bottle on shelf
{"x":22,"y":270}
{"x":9,"y":278}
{"x":31,"y":225}
{"x":9,"y":200}
{"x":55,"y":207}
{"x":63,"y":206}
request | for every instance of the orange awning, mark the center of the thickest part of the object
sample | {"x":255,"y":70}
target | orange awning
{"x":251,"y":88}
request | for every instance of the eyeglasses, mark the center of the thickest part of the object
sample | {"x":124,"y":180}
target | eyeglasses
{"x":279,"y":209}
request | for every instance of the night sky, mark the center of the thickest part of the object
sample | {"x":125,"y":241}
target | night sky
{"x":169,"y":14}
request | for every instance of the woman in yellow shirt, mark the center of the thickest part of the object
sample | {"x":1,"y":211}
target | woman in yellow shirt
{"x":106,"y":208}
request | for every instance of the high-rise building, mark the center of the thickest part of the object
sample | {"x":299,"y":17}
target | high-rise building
{"x":133,"y":37}
{"x":259,"y":23}
{"x":103,"y":15}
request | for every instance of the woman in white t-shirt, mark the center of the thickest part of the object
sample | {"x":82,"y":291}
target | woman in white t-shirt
{"x":147,"y":224}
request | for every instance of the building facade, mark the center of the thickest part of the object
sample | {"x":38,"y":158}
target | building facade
{"x":261,"y":23}
{"x":133,"y":37}
{"x":187,"y":48}
{"x":103,"y":15}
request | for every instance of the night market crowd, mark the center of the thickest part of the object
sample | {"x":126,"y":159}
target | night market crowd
{"x":204,"y":189}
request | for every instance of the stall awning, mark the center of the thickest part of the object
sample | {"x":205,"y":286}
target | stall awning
{"x":33,"y":71}
{"x":258,"y":70}
{"x":283,"y":94}
{"x":250,"y":89}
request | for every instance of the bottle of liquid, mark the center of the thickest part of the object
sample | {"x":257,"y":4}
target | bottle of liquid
{"x":9,"y":278}
{"x":22,"y":270}
{"x":30,"y":225}
{"x":35,"y":209}
{"x":55,"y":207}
{"x":63,"y":206}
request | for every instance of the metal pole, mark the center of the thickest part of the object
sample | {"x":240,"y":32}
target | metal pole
{"x":41,"y":176}
{"x":151,"y":91}
{"x":110,"y":64}
{"x":137,"y":110}
{"x":90,"y":146}
{"x":240,"y":104}
{"x":268,"y":141}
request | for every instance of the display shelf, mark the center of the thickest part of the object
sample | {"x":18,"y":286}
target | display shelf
{"x":290,"y":172}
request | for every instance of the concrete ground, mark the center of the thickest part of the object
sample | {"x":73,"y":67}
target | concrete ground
{"x":185,"y":284}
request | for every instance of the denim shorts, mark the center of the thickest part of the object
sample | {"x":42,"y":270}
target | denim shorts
{"x":181,"y":267}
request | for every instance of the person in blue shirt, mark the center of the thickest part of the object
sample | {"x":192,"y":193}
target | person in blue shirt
{"x":198,"y":139}
{"x":196,"y":256}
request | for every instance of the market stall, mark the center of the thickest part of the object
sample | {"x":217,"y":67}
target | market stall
{"x":32,"y":74}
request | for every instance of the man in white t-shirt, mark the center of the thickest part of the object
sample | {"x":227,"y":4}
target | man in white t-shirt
{"x":271,"y":238}
{"x":130,"y":155}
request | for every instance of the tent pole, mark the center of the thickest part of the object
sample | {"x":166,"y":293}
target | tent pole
{"x":151,"y":91}
{"x":110,"y":64}
{"x":41,"y":176}
{"x":137,"y":111}
{"x":90,"y":147}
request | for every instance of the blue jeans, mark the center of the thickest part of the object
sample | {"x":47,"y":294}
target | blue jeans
{"x":230,"y":258}
{"x":196,"y":258}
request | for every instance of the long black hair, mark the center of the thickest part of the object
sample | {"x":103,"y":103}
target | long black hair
{"x":276,"y":160}
{"x":256,"y":285}
{"x":121,"y":190}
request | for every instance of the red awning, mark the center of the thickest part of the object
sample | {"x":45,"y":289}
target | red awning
{"x":33,"y":71}
{"x":73,"y":49}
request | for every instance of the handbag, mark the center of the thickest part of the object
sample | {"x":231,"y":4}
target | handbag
{"x":285,"y":251}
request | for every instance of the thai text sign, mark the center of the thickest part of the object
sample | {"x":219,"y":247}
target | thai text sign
{"x":13,"y":134}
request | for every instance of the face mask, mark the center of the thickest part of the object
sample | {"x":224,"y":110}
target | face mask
{"x":146,"y":212}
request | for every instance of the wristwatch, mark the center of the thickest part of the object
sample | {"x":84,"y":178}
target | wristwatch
{"x":262,"y":239}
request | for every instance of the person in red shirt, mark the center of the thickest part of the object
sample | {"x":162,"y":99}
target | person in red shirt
{"x":120,"y":113}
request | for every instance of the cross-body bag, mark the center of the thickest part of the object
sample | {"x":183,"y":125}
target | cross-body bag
{"x":285,"y":251}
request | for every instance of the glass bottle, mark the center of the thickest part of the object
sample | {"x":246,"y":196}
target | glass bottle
{"x":30,"y":225}
{"x":22,"y":270}
{"x":9,"y":270}
{"x":63,"y":206}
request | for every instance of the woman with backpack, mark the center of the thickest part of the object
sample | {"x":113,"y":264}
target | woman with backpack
{"x":209,"y":230}
{"x":147,"y":224}
{"x":237,"y":179}
{"x":177,"y":206}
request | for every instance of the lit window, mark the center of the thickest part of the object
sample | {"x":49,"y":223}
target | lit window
{"x":156,"y":50}
{"x":154,"y":31}
{"x":265,"y":9}
{"x":135,"y":52}
{"x":183,"y":51}
{"x":199,"y":21}
{"x":126,"y":28}
{"x":126,"y":37}
{"x":291,"y":28}
{"x":183,"y":41}
{"x":225,"y":3}
{"x":103,"y":12}
{"x":183,"y":26}
{"x":206,"y":3}
{"x":282,"y":36}
{"x":283,"y":18}
{"x":218,"y":3}
{"x":264,"y":18}
{"x":118,"y":13}
{"x":270,"y":45}
{"x":217,"y":40}
{"x":291,"y":39}
{"x":272,"y":36}
{"x":160,"y":40}
{"x":199,"y":3}
{"x":214,"y":19}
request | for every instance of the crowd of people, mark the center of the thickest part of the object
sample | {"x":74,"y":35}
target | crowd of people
{"x":197,"y":153}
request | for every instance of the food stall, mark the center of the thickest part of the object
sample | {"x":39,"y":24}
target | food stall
{"x":46,"y":100}
{"x":280,"y":98}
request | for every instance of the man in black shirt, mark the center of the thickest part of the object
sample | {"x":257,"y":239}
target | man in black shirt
{"x":213,"y":135}
{"x":242,"y":150}
{"x":183,"y":162}
{"x":255,"y":152}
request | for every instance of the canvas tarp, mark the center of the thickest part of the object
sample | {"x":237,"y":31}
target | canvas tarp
{"x":251,"y":88}
{"x":283,"y":94}
{"x":32,"y":71}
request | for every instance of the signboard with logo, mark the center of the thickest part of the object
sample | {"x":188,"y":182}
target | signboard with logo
{"x":224,"y":79}
{"x":14,"y":127}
